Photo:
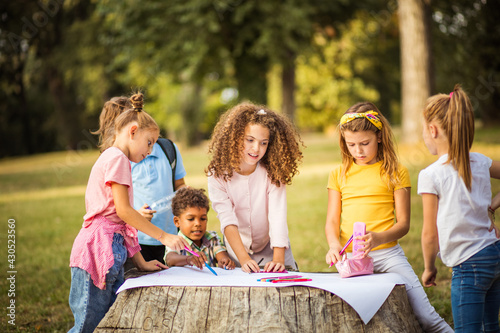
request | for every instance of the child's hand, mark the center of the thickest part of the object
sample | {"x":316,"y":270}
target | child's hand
{"x":371,"y":241}
{"x":274,"y":266}
{"x":494,"y":227}
{"x":333,"y":256}
{"x":146,"y":212}
{"x":195,"y":261}
{"x":153,"y":265}
{"x":250,"y":266}
{"x":225,"y":262}
{"x":174,"y":242}
{"x":429,"y":277}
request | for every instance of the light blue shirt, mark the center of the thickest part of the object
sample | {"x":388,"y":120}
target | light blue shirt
{"x":152,"y":180}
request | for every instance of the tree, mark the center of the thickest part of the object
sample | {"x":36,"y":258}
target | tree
{"x":239,"y":40}
{"x":415,"y":66}
{"x":462,"y":26}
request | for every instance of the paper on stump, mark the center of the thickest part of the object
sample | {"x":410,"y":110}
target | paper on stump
{"x":365,"y":294}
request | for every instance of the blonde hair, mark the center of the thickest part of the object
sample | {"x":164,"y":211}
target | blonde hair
{"x":117,"y":113}
{"x":283,"y":153}
{"x":454,"y":113}
{"x":111,"y":109}
{"x":386,"y":148}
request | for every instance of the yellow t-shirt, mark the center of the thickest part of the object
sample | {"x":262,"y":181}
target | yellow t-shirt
{"x":366,"y":198}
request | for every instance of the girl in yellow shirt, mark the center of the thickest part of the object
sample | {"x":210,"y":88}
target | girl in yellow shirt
{"x":372,"y":187}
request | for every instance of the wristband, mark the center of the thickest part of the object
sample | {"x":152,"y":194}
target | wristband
{"x":161,"y":235}
{"x":492,"y":212}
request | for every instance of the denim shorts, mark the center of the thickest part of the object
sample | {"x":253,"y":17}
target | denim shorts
{"x":89,"y":303}
{"x":475,"y":291}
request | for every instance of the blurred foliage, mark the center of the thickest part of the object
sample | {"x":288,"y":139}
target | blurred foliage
{"x":60,"y":60}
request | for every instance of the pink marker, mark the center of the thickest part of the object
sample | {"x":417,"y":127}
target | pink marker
{"x":191,"y":251}
{"x":345,"y":247}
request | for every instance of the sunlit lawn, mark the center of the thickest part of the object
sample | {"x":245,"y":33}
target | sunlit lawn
{"x":44,"y":194}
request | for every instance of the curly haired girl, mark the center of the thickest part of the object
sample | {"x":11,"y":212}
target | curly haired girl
{"x":255,"y":153}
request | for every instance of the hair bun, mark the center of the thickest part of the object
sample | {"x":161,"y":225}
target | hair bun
{"x":137,"y":101}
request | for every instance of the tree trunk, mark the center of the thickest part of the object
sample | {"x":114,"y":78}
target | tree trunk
{"x":190,"y":110}
{"x":415,"y":66}
{"x":250,"y":309}
{"x":251,"y":75}
{"x":67,"y":111}
{"x":288,"y":87}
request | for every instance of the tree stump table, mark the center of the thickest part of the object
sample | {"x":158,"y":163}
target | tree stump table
{"x":250,"y":309}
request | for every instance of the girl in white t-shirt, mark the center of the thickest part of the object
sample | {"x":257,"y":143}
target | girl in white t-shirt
{"x":456,"y":195}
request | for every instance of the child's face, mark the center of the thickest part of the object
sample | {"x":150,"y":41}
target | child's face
{"x":363,"y":146}
{"x":141,"y":143}
{"x":255,"y":142}
{"x":193,"y":223}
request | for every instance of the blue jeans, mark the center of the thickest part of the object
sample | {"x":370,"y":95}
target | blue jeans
{"x":475,"y":292}
{"x":89,"y":303}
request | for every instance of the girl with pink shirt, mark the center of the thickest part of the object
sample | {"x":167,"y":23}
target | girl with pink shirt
{"x":109,"y":231}
{"x":255,"y":154}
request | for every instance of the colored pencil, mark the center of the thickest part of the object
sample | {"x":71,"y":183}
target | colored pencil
{"x":210,"y":268}
{"x":291,"y":280}
{"x":269,"y":279}
{"x":191,"y":251}
{"x":346,"y":245}
{"x":344,"y":248}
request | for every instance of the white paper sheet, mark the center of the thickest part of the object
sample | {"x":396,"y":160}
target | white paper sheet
{"x":365,"y":294}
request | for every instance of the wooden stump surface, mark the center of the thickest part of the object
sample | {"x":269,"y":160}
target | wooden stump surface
{"x":250,"y":309}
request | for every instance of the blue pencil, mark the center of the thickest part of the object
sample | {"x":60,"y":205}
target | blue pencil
{"x":210,"y":268}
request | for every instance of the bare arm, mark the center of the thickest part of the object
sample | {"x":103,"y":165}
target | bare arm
{"x":143,"y":265}
{"x":224,"y":261}
{"x":278,"y":263}
{"x":332,"y":226}
{"x":495,"y":170}
{"x":179,"y":183}
{"x":133,"y":218}
{"x":430,"y":239}
{"x":176,"y":259}
{"x":495,"y":202}
{"x":399,"y":229}
{"x":234,"y":239}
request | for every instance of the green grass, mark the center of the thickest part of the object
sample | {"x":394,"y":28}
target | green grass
{"x":44,"y":194}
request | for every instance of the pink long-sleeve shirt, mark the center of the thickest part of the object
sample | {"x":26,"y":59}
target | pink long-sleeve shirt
{"x":253,"y":204}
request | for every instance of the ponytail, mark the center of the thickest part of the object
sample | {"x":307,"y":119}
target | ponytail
{"x":455,"y":114}
{"x":110,"y":111}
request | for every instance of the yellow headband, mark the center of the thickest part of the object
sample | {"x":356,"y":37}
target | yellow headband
{"x":370,"y":115}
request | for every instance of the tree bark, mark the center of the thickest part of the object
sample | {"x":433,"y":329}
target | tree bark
{"x":415,"y":66}
{"x":251,"y":75}
{"x":245,"y":309}
{"x":288,"y":87}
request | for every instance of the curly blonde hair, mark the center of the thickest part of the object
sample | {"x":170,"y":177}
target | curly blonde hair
{"x":283,"y":153}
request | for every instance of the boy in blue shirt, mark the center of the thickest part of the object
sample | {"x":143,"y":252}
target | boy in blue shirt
{"x":152,"y":179}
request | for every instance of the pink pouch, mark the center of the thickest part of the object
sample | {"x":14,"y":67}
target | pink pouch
{"x":354,"y":266}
